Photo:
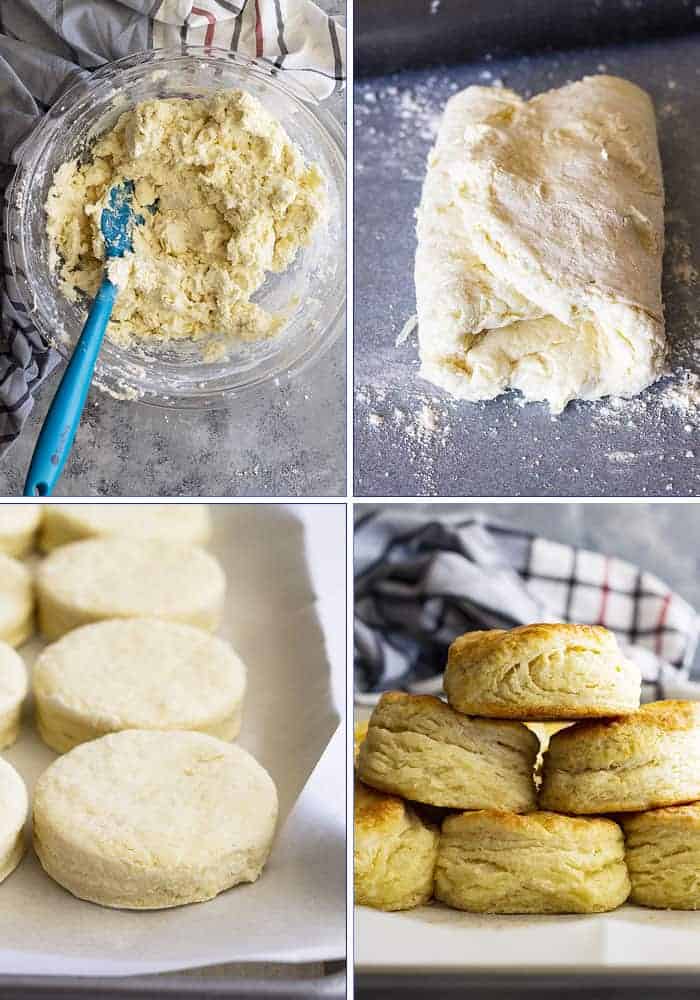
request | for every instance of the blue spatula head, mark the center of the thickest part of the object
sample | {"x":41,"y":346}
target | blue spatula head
{"x":118,"y":220}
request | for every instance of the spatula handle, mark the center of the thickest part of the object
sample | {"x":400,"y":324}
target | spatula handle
{"x":61,"y":422}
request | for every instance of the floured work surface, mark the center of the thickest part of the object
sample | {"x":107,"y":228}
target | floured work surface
{"x":413,"y":439}
{"x":295,"y":912}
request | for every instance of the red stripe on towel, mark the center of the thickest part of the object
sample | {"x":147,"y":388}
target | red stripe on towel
{"x":209,"y":36}
{"x":661,"y":622}
{"x":258,"y":31}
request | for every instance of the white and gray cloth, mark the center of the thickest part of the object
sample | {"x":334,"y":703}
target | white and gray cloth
{"x":420,"y":582}
{"x":48,"y":45}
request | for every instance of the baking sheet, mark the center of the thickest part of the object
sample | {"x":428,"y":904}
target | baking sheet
{"x":411,"y":439}
{"x":296,"y":910}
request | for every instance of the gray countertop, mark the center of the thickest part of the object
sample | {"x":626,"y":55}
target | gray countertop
{"x":286,"y":441}
{"x":413,"y":440}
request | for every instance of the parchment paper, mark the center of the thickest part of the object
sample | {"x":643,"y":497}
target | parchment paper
{"x":296,"y":910}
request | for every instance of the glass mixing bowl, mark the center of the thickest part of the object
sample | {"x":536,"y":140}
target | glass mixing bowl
{"x":177,"y":373}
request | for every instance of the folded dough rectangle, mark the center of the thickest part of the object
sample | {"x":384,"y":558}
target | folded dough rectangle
{"x":540,"y":244}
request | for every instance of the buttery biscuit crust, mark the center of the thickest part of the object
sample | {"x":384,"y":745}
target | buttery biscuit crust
{"x":418,"y":747}
{"x":394,"y":852}
{"x":498,"y":862}
{"x":648,"y":759}
{"x":663,"y":857}
{"x":551,"y":671}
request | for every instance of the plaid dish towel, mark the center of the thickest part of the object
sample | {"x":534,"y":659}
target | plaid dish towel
{"x":48,"y":45}
{"x":419,"y":583}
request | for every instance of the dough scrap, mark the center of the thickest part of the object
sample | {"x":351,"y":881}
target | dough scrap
{"x":146,"y":820}
{"x":102,"y":578}
{"x":234,"y":200}
{"x":14,"y":806}
{"x":182,"y":522}
{"x":16,"y":602}
{"x":540,"y":241}
{"x":137,"y":674}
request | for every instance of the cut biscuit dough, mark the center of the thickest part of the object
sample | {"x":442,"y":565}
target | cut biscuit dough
{"x":13,"y":814}
{"x":181,"y":522}
{"x":16,"y":602}
{"x":146,"y":820}
{"x":138,"y":674}
{"x":13,"y":689}
{"x":19,"y":523}
{"x":540,"y":241}
{"x":128,"y":578}
{"x":225,"y":196}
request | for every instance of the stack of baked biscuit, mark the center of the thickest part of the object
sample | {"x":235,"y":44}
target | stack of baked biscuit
{"x":463,"y":802}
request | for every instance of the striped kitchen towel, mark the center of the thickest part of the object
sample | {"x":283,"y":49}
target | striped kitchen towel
{"x":48,"y":45}
{"x":421,"y":582}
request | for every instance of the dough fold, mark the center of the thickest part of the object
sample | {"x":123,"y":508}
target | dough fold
{"x":540,"y":243}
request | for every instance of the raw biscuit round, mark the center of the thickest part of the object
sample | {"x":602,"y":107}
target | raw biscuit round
{"x":19,"y":524}
{"x":127,"y":578}
{"x":420,"y":748}
{"x":177,"y":522}
{"x":500,"y":862}
{"x":13,"y":690}
{"x":541,"y":671}
{"x":146,"y":820}
{"x":16,"y":602}
{"x":141,"y":673}
{"x":394,"y":852}
{"x":663,"y":857}
{"x":13,"y":814}
{"x":645,"y":760}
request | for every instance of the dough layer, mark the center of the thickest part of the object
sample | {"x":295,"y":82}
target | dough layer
{"x":137,"y":674}
{"x":16,"y":602}
{"x":19,"y":523}
{"x":146,"y":820}
{"x":233,"y":200}
{"x":394,"y":852}
{"x":13,"y":814}
{"x":499,"y":862}
{"x":645,"y":760}
{"x":540,"y":241}
{"x":542,"y":671}
{"x":13,"y":690}
{"x":179,"y":522}
{"x":663,"y":857}
{"x":103,"y":578}
{"x":418,"y":747}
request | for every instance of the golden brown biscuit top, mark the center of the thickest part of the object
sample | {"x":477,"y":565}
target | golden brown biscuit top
{"x":496,"y":821}
{"x":669,"y":716}
{"x":687,"y":816}
{"x":496,"y":646}
{"x":430,"y":716}
{"x":377,"y":810}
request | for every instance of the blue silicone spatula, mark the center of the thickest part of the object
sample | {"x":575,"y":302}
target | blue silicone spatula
{"x":61,"y":423}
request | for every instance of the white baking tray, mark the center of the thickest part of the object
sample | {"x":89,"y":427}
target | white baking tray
{"x":285,"y":614}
